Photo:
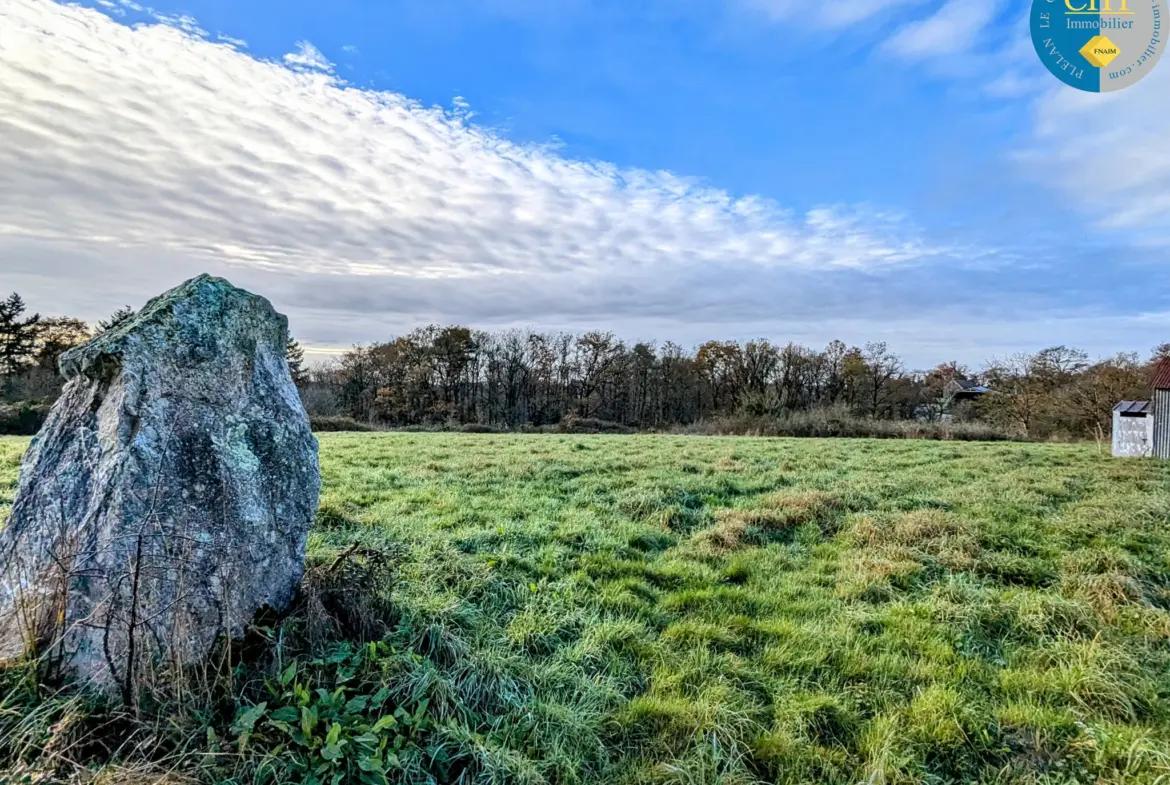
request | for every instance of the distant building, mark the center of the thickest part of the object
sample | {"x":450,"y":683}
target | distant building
{"x":959,"y":390}
{"x":1133,"y":429}
{"x":1161,"y":410}
{"x":953,"y":393}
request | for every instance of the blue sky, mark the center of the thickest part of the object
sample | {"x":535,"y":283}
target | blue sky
{"x":901,"y":170}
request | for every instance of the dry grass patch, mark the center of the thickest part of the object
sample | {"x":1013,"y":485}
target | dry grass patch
{"x":729,"y":463}
{"x":738,"y":527}
{"x":1102,"y":579}
{"x":795,"y":509}
{"x":888,"y":552}
{"x":874,"y":574}
{"x":1107,"y":594}
{"x":111,"y":775}
{"x":928,"y":535}
{"x":950,"y":540}
{"x":727,"y":535}
{"x":119,"y":775}
{"x":1098,"y":561}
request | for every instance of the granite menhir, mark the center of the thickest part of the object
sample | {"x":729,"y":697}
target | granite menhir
{"x":168,"y":496}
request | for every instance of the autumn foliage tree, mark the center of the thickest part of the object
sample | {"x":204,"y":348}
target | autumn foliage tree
{"x":454,"y":375}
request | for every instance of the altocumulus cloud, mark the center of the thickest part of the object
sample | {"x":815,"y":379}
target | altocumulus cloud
{"x":131,"y":157}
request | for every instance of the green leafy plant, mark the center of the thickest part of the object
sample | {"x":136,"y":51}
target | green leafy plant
{"x":329,"y":721}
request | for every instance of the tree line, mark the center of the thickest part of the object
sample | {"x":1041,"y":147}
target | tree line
{"x":445,"y":376}
{"x":455,"y":376}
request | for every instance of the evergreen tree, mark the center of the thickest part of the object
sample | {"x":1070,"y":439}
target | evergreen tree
{"x":295,"y":355}
{"x":116,"y":318}
{"x":18,"y":336}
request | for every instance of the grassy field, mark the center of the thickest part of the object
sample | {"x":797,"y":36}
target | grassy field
{"x":654,"y":609}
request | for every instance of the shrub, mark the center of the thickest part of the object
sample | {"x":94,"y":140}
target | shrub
{"x":326,"y":424}
{"x":826,"y":423}
{"x":477,"y":427}
{"x":23,"y":418}
{"x":574,"y":424}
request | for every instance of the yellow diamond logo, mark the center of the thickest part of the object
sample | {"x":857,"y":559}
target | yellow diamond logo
{"x":1100,"y":51}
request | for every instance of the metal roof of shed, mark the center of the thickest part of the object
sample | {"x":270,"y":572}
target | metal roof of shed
{"x":1162,"y":375}
{"x":1133,"y":408}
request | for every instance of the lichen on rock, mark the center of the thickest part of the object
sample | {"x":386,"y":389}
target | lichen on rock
{"x":168,"y":496}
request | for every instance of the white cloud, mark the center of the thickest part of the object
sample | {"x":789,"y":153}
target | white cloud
{"x":1108,"y":153}
{"x":837,"y":14}
{"x":949,"y":32}
{"x":238,"y":43}
{"x":1015,"y":85}
{"x":185,"y":22}
{"x":308,"y":57}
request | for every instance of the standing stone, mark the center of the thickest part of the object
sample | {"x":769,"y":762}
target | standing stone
{"x":169,"y":495}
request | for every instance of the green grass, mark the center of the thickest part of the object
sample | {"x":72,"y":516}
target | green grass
{"x":654,"y":609}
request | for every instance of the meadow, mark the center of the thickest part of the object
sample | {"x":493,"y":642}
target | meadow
{"x":670,"y":609}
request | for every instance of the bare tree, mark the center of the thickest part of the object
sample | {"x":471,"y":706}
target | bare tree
{"x":1020,"y":394}
{"x":881,"y":366}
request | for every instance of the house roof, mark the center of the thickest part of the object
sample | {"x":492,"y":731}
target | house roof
{"x":960,"y":386}
{"x":1162,"y":375}
{"x":1133,"y":408}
